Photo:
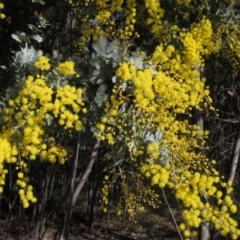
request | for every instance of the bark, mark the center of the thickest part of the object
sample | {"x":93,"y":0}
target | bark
{"x":72,"y":183}
{"x":235,"y":157}
{"x":75,"y":190}
{"x":204,"y":228}
{"x":87,"y":171}
{"x":205,"y":233}
{"x":234,"y":160}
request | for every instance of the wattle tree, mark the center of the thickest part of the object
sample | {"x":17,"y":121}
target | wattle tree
{"x":123,"y":88}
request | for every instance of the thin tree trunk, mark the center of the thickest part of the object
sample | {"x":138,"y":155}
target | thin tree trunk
{"x":68,"y":214}
{"x":234,"y":160}
{"x":235,"y":157}
{"x":204,"y":228}
{"x":75,"y":191}
{"x":85,"y":175}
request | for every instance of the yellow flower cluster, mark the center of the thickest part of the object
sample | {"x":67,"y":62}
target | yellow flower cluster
{"x":33,"y":105}
{"x":156,"y":13}
{"x":105,"y":11}
{"x":134,"y":194}
{"x":192,"y":190}
{"x":26,"y":190}
{"x":103,"y":16}
{"x":143,"y":88}
{"x":126,"y":71}
{"x":101,"y":3}
{"x":157,"y":92}
{"x":3,"y":173}
{"x":26,"y":118}
{"x":153,"y":150}
{"x":161,"y":56}
{"x":130,"y":19}
{"x":196,"y":42}
{"x":2,"y":16}
{"x":116,"y":6}
{"x":159,"y":175}
{"x":42,"y":63}
{"x":110,"y":117}
{"x":104,"y":193}
{"x":229,"y":33}
{"x":66,"y":68}
{"x":67,"y":105}
{"x":54,"y":153}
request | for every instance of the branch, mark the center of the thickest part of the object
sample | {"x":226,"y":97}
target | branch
{"x":170,"y":210}
{"x":235,"y":157}
{"x":85,"y":175}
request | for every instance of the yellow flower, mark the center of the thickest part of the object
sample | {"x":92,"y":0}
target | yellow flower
{"x":42,"y":63}
{"x":20,"y":175}
{"x":153,"y":150}
{"x":66,"y":68}
{"x":233,"y":208}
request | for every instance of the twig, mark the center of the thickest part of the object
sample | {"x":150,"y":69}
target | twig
{"x":170,"y":210}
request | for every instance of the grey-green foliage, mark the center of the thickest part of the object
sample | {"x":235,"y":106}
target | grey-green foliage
{"x":157,"y":137}
{"x":38,"y":1}
{"x":104,"y":62}
{"x":153,"y":137}
{"x":106,"y":58}
{"x":110,"y":51}
{"x":101,"y":96}
{"x":27,"y":56}
{"x":21,"y":37}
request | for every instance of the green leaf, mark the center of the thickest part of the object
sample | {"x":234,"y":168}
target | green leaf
{"x":16,"y":38}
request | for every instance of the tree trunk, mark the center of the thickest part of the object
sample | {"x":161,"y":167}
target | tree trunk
{"x":75,"y":191}
{"x":85,"y":175}
{"x":204,"y":228}
{"x":235,"y":157}
{"x":234,"y":160}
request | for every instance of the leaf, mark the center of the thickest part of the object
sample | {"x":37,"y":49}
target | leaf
{"x":124,"y":86}
{"x":153,"y":137}
{"x":114,"y":79}
{"x":137,"y":62}
{"x":3,"y":104}
{"x":149,"y":137}
{"x":164,"y":157}
{"x":38,"y":1}
{"x":55,"y":53}
{"x":39,"y":53}
{"x":49,"y":120}
{"x":158,"y":135}
{"x":26,"y":55}
{"x":20,"y":37}
{"x":37,"y":38}
{"x":95,"y":63}
{"x":124,"y":107}
{"x":101,"y":96}
{"x":12,"y":92}
{"x":34,"y":28}
{"x":16,"y":38}
{"x":100,"y":46}
{"x":116,"y":51}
